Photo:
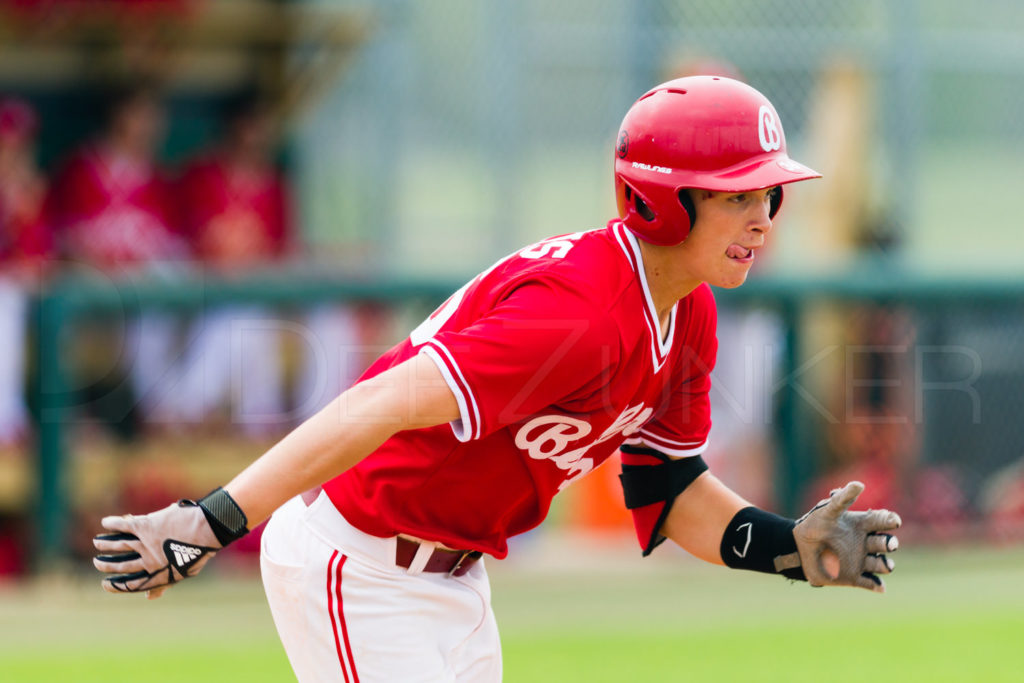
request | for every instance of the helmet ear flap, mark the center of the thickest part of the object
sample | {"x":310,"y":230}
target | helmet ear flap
{"x":650,"y":213}
{"x":642,"y":209}
{"x":632,"y":202}
{"x":686,"y":201}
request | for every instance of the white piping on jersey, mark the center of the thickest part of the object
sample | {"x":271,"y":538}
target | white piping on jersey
{"x":645,"y":440}
{"x":668,"y":441}
{"x":467,"y":428}
{"x":660,"y":346}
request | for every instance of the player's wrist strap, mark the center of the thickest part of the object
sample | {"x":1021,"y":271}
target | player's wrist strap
{"x":224,"y":516}
{"x":762,"y":542}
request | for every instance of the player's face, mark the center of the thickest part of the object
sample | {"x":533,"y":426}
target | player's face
{"x":728,"y":232}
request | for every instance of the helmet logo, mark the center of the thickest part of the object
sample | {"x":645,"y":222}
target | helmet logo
{"x":648,"y":167}
{"x":768,"y":129}
{"x":622,"y":148}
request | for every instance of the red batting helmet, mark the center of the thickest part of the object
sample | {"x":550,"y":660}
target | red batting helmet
{"x":700,"y":132}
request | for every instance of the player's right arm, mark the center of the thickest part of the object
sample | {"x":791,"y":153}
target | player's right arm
{"x":149,"y":552}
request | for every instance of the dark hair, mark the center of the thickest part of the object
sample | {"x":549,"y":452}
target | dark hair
{"x":246,"y":103}
{"x":117,"y":96}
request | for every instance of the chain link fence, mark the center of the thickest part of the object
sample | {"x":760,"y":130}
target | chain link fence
{"x":465,"y":129}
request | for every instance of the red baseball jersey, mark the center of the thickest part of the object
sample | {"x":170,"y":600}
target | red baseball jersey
{"x":555,"y":357}
{"x":233,"y":217}
{"x":24,"y":235}
{"x":111,"y":211}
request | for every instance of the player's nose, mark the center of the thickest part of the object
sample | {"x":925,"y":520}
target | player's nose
{"x":761,"y":220}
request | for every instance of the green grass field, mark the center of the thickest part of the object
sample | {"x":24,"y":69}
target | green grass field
{"x":949,"y":615}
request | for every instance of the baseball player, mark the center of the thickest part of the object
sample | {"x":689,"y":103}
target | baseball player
{"x":524,"y":381}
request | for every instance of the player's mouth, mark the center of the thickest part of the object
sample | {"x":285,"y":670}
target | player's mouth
{"x":740,"y":254}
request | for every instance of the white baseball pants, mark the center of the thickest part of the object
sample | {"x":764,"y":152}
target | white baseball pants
{"x":346,"y":612}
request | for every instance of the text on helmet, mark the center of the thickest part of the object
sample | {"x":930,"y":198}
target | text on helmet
{"x":648,"y":167}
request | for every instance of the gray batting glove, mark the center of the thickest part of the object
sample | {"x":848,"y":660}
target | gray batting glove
{"x":858,"y":539}
{"x":151,"y":552}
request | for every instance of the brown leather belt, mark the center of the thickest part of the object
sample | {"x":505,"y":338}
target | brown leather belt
{"x":442,"y":560}
{"x":450,"y":562}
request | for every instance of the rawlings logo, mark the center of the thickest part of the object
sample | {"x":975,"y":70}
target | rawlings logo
{"x":768,"y":129}
{"x":549,"y":436}
{"x":648,"y":167}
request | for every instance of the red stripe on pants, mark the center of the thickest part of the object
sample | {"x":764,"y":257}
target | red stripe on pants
{"x":344,"y":626}
{"x":330,"y":608}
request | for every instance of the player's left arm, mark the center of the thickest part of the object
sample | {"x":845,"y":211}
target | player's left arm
{"x":672,"y":495}
{"x":830,"y":545}
{"x":700,"y":515}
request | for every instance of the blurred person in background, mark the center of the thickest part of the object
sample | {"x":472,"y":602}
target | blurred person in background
{"x":234,"y":210}
{"x":877,"y":436}
{"x":868,"y":385}
{"x":109,"y":210}
{"x":25,"y":244}
{"x":110,"y":200}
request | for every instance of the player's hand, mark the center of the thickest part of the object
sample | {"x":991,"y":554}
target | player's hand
{"x":151,"y":552}
{"x":859,"y":540}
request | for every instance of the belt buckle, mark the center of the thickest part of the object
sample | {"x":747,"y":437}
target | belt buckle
{"x":458,"y":563}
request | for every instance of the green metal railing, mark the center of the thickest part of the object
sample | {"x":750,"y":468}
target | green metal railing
{"x":74,"y":299}
{"x":71,"y":300}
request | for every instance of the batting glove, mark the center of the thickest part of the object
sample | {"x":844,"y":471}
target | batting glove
{"x":151,"y":552}
{"x":858,"y":539}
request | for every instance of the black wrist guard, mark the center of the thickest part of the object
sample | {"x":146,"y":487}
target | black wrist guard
{"x":224,"y":516}
{"x":762,"y":542}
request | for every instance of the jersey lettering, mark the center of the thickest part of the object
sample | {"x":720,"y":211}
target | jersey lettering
{"x":557,"y":247}
{"x":558,"y":435}
{"x":550,"y":443}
